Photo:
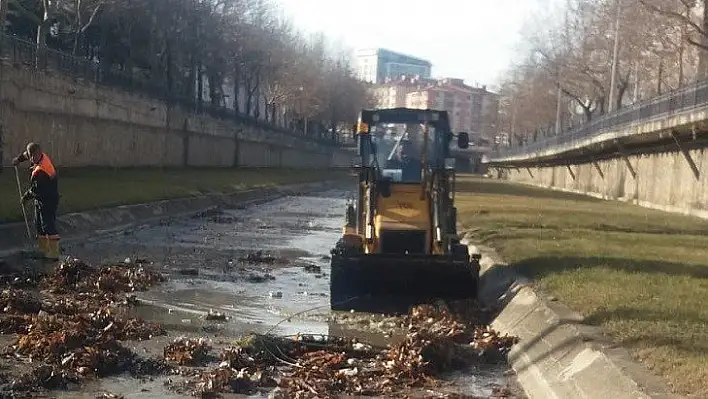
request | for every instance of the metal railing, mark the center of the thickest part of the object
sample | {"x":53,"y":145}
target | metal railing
{"x":663,"y":106}
{"x":19,"y":51}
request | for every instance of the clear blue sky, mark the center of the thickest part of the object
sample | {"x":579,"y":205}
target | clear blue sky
{"x":469,"y":39}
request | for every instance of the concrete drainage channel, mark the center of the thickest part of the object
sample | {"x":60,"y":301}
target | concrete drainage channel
{"x":81,"y":225}
{"x":219,"y":288}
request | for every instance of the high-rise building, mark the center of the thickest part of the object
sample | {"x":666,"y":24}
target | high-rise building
{"x":377,"y":65}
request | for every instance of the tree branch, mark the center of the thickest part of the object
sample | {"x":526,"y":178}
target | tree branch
{"x":92,"y":17}
{"x":675,"y":15}
{"x":26,"y":12}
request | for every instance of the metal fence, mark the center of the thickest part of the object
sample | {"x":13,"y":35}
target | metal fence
{"x":670,"y":103}
{"x":19,"y":51}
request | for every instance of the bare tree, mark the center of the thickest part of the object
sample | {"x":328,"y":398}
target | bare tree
{"x":178,"y":48}
{"x":571,"y":51}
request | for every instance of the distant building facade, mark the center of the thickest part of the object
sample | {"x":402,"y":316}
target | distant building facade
{"x":379,"y":65}
{"x":471,"y":109}
{"x":393,"y":92}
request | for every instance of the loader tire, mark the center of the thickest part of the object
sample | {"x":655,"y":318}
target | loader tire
{"x":340,"y":277}
{"x":460,"y":252}
{"x":346,"y":248}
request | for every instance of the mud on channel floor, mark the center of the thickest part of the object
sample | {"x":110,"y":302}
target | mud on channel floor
{"x":263,"y":268}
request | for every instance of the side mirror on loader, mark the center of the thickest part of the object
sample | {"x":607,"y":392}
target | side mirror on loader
{"x":463,"y":140}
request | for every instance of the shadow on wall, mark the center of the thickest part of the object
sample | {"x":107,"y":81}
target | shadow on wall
{"x":468,"y":184}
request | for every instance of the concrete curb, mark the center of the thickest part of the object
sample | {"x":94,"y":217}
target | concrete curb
{"x":73,"y":226}
{"x":558,"y":356}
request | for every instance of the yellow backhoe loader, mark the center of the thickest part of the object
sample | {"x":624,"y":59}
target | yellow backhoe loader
{"x":400,"y":245}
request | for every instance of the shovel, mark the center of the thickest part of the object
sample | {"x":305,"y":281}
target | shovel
{"x":32,"y":253}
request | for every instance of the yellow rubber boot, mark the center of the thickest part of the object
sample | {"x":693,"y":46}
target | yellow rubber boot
{"x":43,"y":244}
{"x":53,"y":249}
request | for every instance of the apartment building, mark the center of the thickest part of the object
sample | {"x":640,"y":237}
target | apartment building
{"x":471,"y":109}
{"x":393,"y":92}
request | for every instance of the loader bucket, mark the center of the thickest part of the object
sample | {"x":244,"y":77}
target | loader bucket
{"x":382,"y":283}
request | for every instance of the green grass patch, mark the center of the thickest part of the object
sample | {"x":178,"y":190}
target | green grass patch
{"x":640,"y":274}
{"x":91,"y":188}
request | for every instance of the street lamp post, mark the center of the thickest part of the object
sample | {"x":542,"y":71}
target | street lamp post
{"x":559,"y":100}
{"x":615,"y":61}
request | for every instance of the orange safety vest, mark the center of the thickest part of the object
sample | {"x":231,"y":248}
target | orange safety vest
{"x":45,"y":165}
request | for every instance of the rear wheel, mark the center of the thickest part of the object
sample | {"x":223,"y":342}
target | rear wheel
{"x":460,"y":252}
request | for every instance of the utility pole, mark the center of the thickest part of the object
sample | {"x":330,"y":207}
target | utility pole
{"x":636,"y":82}
{"x":559,"y":99}
{"x":513,"y":110}
{"x":615,"y":61}
{"x":558,"y":111}
{"x":682,"y":45}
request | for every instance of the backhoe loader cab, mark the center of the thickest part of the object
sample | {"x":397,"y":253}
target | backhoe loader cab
{"x":400,"y":245}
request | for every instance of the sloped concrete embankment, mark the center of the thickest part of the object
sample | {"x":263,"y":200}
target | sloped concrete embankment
{"x":74,"y":226}
{"x":558,"y":356}
{"x":670,"y":181}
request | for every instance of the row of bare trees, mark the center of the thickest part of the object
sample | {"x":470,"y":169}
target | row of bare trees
{"x":239,"y":53}
{"x":571,"y":53}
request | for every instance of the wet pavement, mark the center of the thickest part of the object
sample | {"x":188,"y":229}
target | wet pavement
{"x":284,"y":295}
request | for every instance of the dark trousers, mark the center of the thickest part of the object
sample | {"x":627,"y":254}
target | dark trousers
{"x":45,"y":217}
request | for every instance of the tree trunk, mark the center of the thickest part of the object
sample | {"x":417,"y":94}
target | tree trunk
{"x":200,"y":85}
{"x":249,"y":97}
{"x":620,"y":93}
{"x":682,"y":49}
{"x":702,"y":72}
{"x":236,"y":96}
{"x":622,"y":90}
{"x":257,"y":107}
{"x":168,"y":77}
{"x":42,"y":30}
{"x":77,"y":31}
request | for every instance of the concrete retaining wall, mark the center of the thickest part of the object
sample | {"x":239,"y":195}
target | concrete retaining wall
{"x":664,"y":181}
{"x":82,"y":124}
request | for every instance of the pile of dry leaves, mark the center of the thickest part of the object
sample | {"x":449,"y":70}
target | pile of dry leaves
{"x":67,"y":322}
{"x":187,"y":352}
{"x":438,"y":340}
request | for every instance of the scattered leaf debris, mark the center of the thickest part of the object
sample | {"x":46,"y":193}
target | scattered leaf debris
{"x":70,"y":328}
{"x":68,"y":324}
{"x":187,"y":352}
{"x":438,"y":339}
{"x":259,"y":257}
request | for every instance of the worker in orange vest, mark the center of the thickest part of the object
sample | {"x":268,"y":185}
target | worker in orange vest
{"x":44,"y":190}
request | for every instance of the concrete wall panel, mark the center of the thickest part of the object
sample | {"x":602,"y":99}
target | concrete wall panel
{"x":81,"y":124}
{"x":664,"y":180}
